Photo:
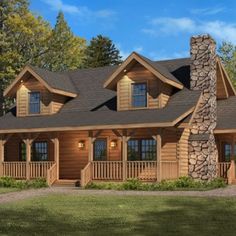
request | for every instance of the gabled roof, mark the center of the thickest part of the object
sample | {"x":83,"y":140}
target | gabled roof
{"x":157,"y":69}
{"x":95,"y":107}
{"x":55,"y":82}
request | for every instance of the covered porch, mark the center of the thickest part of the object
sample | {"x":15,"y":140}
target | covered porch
{"x":226,"y":146}
{"x":101,"y":155}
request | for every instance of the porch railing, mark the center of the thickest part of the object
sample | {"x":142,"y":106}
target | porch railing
{"x":14,"y":169}
{"x":18,"y":169}
{"x":86,"y":175}
{"x":52,"y":174}
{"x":223,"y":168}
{"x":39,"y":169}
{"x":143,"y":170}
{"x":107,"y":170}
{"x":119,"y":170}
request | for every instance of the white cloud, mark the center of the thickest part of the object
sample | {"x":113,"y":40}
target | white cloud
{"x":163,"y":55}
{"x":169,"y":24}
{"x":58,"y":5}
{"x":172,"y":26}
{"x":207,"y":11}
{"x":125,"y":53}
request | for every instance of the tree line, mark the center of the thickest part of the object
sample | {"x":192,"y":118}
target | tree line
{"x":28,"y":39}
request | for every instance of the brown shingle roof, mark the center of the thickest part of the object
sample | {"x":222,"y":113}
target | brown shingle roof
{"x":226,"y":113}
{"x":97,"y":106}
{"x":176,"y":107}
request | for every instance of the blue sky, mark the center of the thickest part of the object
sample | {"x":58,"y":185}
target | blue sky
{"x":157,"y":29}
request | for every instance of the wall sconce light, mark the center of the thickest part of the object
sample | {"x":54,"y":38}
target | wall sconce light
{"x":113,"y":144}
{"x":81,"y":144}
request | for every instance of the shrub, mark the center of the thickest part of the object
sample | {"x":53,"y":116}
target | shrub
{"x":22,"y":184}
{"x":7,"y":182}
{"x":183,"y":183}
{"x":132,"y":184}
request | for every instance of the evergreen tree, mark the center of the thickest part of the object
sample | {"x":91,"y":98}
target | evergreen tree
{"x":227,"y":53}
{"x":102,"y":52}
{"x":66,"y":51}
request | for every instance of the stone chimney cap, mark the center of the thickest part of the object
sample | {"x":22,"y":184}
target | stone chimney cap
{"x":202,"y":37}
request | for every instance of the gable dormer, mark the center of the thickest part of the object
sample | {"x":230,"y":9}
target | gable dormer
{"x":39,"y":92}
{"x":142,"y":84}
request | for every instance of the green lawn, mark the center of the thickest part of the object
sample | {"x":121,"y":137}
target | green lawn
{"x":7,"y":190}
{"x":119,"y":215}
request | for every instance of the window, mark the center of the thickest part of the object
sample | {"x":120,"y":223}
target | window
{"x":34,"y":103}
{"x":141,"y":149}
{"x":100,"y":150}
{"x":139,"y":95}
{"x":39,"y":151}
{"x":22,"y":149}
{"x":227,"y":151}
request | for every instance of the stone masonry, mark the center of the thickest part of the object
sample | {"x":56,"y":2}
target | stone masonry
{"x":202,"y":147}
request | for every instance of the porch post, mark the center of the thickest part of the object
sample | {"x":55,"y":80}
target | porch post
{"x":28,"y":157}
{"x":90,"y":148}
{"x":1,"y":156}
{"x":158,"y":154}
{"x":56,"y":155}
{"x":124,"y":156}
{"x":232,"y":149}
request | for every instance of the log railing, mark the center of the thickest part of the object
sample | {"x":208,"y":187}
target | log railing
{"x":107,"y":170}
{"x":170,"y":169}
{"x":14,"y":169}
{"x":52,"y":174}
{"x":18,"y":169}
{"x":38,"y":169}
{"x":86,"y":175}
{"x":231,"y":172}
{"x":142,"y":170}
{"x":223,"y":168}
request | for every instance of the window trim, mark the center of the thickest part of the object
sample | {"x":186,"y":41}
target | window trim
{"x":104,"y":139}
{"x":29,"y":103}
{"x":140,"y":149}
{"x":131,"y":94}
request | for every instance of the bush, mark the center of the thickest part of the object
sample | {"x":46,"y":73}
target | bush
{"x":183,"y":183}
{"x":22,"y":184}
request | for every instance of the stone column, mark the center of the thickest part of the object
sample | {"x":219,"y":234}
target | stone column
{"x":203,"y":154}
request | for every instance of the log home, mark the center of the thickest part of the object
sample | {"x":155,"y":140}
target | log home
{"x":144,"y":119}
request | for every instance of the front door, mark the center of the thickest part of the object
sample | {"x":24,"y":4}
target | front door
{"x":100,"y":150}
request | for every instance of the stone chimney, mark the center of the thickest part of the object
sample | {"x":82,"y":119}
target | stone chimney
{"x":203,"y":154}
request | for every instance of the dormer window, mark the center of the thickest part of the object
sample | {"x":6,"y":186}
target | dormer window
{"x":34,"y":102}
{"x":139,"y":95}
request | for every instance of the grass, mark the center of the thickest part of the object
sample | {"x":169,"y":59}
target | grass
{"x":8,"y":190}
{"x":119,"y":215}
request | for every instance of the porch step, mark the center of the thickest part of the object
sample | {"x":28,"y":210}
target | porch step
{"x":67,"y":183}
